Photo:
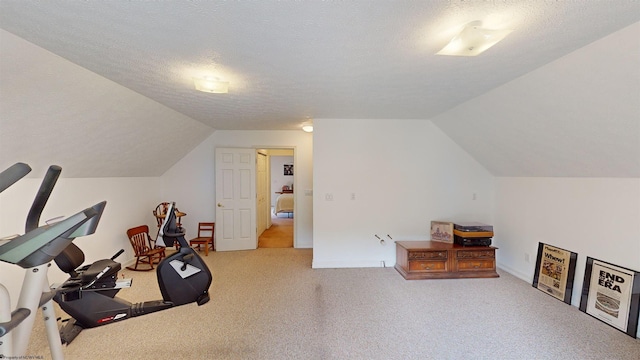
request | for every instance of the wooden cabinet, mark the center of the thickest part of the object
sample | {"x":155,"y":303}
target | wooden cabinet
{"x":439,"y":260}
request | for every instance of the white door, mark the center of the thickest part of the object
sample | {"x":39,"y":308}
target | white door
{"x":236,"y":199}
{"x":261,"y":192}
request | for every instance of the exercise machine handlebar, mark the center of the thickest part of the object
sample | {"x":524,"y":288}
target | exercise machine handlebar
{"x":117,"y":254}
{"x":12,"y":174}
{"x":46,"y":187}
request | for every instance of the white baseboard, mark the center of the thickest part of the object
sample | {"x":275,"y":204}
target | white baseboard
{"x":131,"y":263}
{"x":516,"y":273}
{"x":339,"y":264}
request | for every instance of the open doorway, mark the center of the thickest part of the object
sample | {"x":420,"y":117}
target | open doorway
{"x":275,"y":190}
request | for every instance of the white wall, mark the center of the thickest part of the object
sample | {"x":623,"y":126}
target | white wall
{"x":130,"y":202}
{"x":596,"y":217}
{"x":191,"y":182}
{"x":403,"y":173}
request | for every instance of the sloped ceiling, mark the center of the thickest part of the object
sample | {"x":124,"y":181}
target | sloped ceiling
{"x":55,"y":112}
{"x":576,"y":117}
{"x":286,"y":61}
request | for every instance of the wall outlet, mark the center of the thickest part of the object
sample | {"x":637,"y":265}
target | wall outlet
{"x":328,"y":197}
{"x":526,"y":257}
{"x":353,"y":196}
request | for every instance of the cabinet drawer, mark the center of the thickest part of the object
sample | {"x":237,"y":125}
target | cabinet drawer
{"x":475,"y":264}
{"x":476,"y":254}
{"x":428,"y":266}
{"x":427,"y":255}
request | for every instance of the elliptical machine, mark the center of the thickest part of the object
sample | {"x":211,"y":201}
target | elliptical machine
{"x":88,"y":296}
{"x":34,"y":251}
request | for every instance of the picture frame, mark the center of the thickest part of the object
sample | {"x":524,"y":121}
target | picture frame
{"x":555,"y":271}
{"x":442,"y":231}
{"x":288,"y":169}
{"x":611,"y":294}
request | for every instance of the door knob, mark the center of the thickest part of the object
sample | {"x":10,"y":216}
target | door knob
{"x":220,"y":205}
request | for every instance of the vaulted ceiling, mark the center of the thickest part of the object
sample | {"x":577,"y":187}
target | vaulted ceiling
{"x":94,"y":76}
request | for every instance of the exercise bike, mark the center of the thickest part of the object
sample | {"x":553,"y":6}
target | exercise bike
{"x":34,"y":251}
{"x":88,"y":296}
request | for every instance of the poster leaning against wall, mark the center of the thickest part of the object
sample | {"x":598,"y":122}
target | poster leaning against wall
{"x":555,"y":270}
{"x":611,"y":294}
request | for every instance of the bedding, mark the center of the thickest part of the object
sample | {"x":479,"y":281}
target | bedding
{"x":284,"y":204}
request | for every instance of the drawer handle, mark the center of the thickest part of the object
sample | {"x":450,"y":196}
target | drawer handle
{"x":426,"y":267}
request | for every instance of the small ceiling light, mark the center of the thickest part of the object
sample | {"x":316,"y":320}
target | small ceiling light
{"x":473,"y":40}
{"x":211,"y":84}
{"x":307,"y":128}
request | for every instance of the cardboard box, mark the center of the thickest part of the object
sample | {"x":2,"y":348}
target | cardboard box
{"x":442,"y":231}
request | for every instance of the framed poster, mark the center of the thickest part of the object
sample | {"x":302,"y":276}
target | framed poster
{"x":288,"y":169}
{"x":442,"y":231}
{"x":611,"y":294}
{"x":555,"y":270}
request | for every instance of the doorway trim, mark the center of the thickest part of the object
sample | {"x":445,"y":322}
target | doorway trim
{"x":295,"y":193}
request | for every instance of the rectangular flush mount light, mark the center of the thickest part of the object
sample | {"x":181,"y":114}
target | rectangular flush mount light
{"x":473,"y":40}
{"x":211,"y":85}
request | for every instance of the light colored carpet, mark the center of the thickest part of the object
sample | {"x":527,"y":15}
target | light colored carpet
{"x":279,"y":235}
{"x":270,"y":304}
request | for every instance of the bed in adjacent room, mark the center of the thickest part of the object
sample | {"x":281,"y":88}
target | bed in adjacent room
{"x":284,"y":204}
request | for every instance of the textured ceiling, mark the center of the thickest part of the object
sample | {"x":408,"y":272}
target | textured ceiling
{"x":102,"y":88}
{"x":55,"y":112}
{"x":578,"y":116}
{"x":289,"y":60}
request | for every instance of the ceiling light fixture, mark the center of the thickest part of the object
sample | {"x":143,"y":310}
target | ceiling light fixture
{"x":307,"y":128}
{"x":211,"y":84}
{"x":473,"y":40}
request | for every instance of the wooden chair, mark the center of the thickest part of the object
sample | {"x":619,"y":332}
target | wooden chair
{"x":206,"y":232}
{"x":144,"y":247}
